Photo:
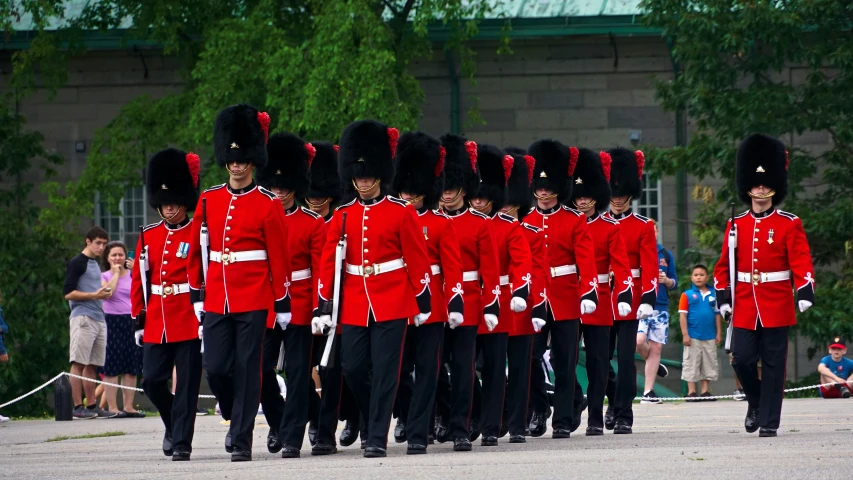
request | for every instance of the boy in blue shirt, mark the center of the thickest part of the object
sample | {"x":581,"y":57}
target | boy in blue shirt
{"x":836,"y":368}
{"x":701,"y":327}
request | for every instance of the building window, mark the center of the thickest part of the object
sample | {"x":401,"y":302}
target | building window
{"x":125,"y":225}
{"x":650,"y":203}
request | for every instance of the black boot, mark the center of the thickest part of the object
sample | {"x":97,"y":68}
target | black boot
{"x":312,"y":432}
{"x":273,"y":443}
{"x":474,"y":431}
{"x":622,"y":428}
{"x":442,"y":433}
{"x":228,"y":447}
{"x":538,"y":424}
{"x":400,"y":431}
{"x":609,"y":418}
{"x":750,"y":423}
{"x":374,"y":452}
{"x":576,"y":417}
{"x":349,"y":434}
{"x":167,"y":444}
{"x":767,"y":432}
{"x":323,"y":449}
{"x":461,"y":444}
{"x":290,"y":452}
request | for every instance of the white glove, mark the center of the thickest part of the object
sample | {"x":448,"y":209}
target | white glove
{"x":201,"y":337}
{"x":454,"y":319}
{"x":321,"y":323}
{"x":198,"y":308}
{"x":624,"y":309}
{"x":725,"y":309}
{"x":316,"y":326}
{"x":804,"y":305}
{"x":538,"y":323}
{"x":517,"y":304}
{"x":421,"y":318}
{"x":283,"y":320}
{"x":645,"y":311}
{"x":587,"y":307}
{"x":491,"y":321}
{"x":137,"y":335}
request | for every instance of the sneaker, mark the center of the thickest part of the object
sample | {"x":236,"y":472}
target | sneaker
{"x":845,"y":392}
{"x":739,"y":395}
{"x":662,"y":370}
{"x":707,"y":397}
{"x":650,"y":397}
{"x":101,"y":413}
{"x":200,"y":412}
{"x":84,"y":413}
{"x":3,"y":419}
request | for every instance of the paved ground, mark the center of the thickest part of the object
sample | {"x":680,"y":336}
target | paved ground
{"x":670,"y":441}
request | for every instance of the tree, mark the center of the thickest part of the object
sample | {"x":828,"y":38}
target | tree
{"x":735,"y":61}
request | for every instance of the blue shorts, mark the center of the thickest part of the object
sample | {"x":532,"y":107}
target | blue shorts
{"x":656,"y":327}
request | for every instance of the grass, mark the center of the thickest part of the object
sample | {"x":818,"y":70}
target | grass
{"x":88,"y":435}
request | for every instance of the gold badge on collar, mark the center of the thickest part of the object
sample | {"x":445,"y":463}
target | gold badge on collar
{"x":770,"y":237}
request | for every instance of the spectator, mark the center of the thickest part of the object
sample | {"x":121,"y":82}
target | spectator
{"x":123,"y":356}
{"x":701,"y":327}
{"x":653,"y":331}
{"x":835,"y":367}
{"x":88,"y":332}
{"x":4,"y":330}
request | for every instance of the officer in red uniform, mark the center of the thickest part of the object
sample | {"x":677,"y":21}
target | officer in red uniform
{"x":591,"y":195}
{"x":420,"y":180}
{"x":165,"y":320}
{"x":286,"y":174}
{"x":481,"y":283}
{"x":248,"y":272}
{"x":514,"y":267}
{"x":572,"y":287}
{"x":772,"y":255}
{"x":520,"y":344}
{"x":387,"y":277}
{"x":626,"y":183}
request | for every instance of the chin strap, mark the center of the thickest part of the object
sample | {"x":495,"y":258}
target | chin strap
{"x":318,"y":205}
{"x":455,"y":197}
{"x":415,"y":200}
{"x":621,"y":204}
{"x":367,"y":189}
{"x":284,"y":198}
{"x":160,"y":212}
{"x":545,"y":197}
{"x":241,"y":171}
{"x":483,"y":208}
{"x":588,"y":205}
{"x":510,"y":211}
{"x":764,"y":196}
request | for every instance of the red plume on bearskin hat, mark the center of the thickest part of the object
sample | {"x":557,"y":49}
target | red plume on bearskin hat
{"x":172,"y":179}
{"x":494,"y":173}
{"x":288,"y":166}
{"x":366,"y":150}
{"x":240,"y":135}
{"x":325,"y":181}
{"x":551,"y":170}
{"x":762,"y":160}
{"x":591,"y":178}
{"x":626,"y":172}
{"x":460,"y":164}
{"x":419,"y":167}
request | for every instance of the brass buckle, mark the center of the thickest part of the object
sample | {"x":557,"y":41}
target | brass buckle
{"x":225,"y":258}
{"x":167,"y":290}
{"x":368,"y":270}
{"x":755,"y":278}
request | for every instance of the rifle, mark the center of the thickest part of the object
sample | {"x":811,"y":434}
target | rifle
{"x":732,"y":245}
{"x":337,"y":293}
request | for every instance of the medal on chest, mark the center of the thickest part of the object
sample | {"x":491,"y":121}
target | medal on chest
{"x":425,"y":234}
{"x":770,"y":237}
{"x":183,"y":250}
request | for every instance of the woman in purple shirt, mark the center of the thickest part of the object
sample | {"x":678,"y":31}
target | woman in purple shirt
{"x":124,"y":357}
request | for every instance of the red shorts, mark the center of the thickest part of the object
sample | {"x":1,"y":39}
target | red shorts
{"x":830,"y":392}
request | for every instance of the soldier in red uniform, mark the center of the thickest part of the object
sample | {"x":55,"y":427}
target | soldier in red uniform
{"x":481,"y":283}
{"x":591,"y":195}
{"x":165,"y":320}
{"x":772,"y":254}
{"x":286,"y":174}
{"x":247,"y":275}
{"x":520,"y":344}
{"x":641,"y":244}
{"x":387,"y":276}
{"x":420,"y":180}
{"x":325,"y":190}
{"x":572,"y":287}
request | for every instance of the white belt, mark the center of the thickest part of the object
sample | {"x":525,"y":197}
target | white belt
{"x":472,"y":276}
{"x":232,"y":257}
{"x":603,"y":278}
{"x":376,"y":268}
{"x":763,"y":277}
{"x":436,"y":269}
{"x":175,"y":289}
{"x":563,"y":270}
{"x":635,"y":272}
{"x":504,"y":280}
{"x":300,"y":275}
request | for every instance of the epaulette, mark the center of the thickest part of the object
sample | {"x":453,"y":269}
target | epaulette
{"x":644,"y":219}
{"x":788,"y":215}
{"x":267,"y":193}
{"x":149,"y":227}
{"x":506,"y":217}
{"x":398,"y":201}
{"x":742,"y":214}
{"x":532,"y":209}
{"x":609,"y":219}
{"x":572,"y":210}
{"x":531,"y":227}
{"x":310,"y":212}
{"x":479,"y":214}
{"x":439,"y":213}
{"x":215,"y":187}
{"x":344,"y":205}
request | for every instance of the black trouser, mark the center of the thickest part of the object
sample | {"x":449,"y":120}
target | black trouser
{"x":610,"y":390}
{"x":423,"y":355}
{"x":518,"y":353}
{"x":332,"y":381}
{"x":178,"y":411}
{"x":377,"y":347}
{"x":770,"y":345}
{"x":626,"y":377}
{"x":493,"y":347}
{"x":442,"y":390}
{"x":461,"y":343}
{"x":564,"y":361}
{"x":271,"y":399}
{"x":595,"y":340}
{"x":538,"y":372}
{"x":233,"y":345}
{"x":298,"y":341}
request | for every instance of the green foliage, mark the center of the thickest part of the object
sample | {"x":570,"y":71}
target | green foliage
{"x":784,"y":68}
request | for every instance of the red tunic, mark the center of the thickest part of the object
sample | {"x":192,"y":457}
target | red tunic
{"x":306,"y":234}
{"x":479,"y":254}
{"x":168,"y":318}
{"x":515,"y":267}
{"x":638,"y":234}
{"x":443,"y":252}
{"x":381,"y":230}
{"x":522,"y":321}
{"x":568,"y":242}
{"x":249,"y":220}
{"x":611,"y":260}
{"x":773,"y":241}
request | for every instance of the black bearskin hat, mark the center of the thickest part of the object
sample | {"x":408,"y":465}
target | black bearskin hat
{"x":325,"y":181}
{"x":555,"y":164}
{"x":289,"y":164}
{"x":495,"y":167}
{"x":460,"y":166}
{"x":592,"y":177}
{"x":762,"y":160}
{"x":420,"y":167}
{"x":520,"y":180}
{"x":367,"y":150}
{"x":626,"y":174}
{"x":240,"y":135}
{"x":173,"y":179}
